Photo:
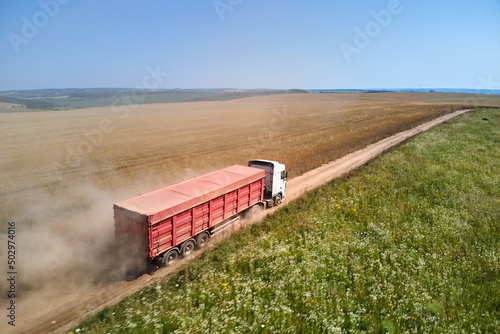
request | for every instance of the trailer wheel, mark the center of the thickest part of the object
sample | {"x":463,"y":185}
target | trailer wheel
{"x":201,"y":240}
{"x":277,"y":200}
{"x":187,"y":248}
{"x":170,"y":257}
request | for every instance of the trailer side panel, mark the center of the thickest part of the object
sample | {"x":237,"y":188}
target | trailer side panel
{"x":175,"y":230}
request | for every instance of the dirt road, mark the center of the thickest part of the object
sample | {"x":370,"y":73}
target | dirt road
{"x":52,"y":313}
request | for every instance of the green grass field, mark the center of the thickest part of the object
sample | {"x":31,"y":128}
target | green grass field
{"x":408,"y":243}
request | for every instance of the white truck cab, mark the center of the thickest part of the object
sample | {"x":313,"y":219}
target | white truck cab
{"x":275,"y":181}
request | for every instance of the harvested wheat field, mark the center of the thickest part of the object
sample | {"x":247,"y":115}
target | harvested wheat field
{"x":138,"y":148}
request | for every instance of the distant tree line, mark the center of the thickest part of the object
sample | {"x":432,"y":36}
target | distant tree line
{"x":238,"y":95}
{"x":29,"y":104}
{"x":297,"y":91}
{"x":114,"y":93}
{"x":94,"y":95}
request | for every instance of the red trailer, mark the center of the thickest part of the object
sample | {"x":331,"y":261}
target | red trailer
{"x":173,"y":221}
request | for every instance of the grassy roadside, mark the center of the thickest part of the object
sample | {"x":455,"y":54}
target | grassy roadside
{"x":408,"y":243}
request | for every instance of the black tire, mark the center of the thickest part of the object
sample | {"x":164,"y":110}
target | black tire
{"x":169,"y":258}
{"x":270,"y":203}
{"x":277,"y":200}
{"x":201,"y":240}
{"x":187,"y":247}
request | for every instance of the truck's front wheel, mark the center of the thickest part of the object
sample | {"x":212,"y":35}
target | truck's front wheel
{"x":277,"y":200}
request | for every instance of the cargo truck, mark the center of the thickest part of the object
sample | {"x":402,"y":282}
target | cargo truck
{"x":172,"y":222}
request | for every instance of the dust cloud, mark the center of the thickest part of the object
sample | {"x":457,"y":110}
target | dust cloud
{"x":70,"y":243}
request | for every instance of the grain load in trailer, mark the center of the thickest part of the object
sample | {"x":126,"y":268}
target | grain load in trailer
{"x":171,"y":222}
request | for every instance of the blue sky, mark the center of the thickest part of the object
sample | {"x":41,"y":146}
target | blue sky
{"x":250,"y":43}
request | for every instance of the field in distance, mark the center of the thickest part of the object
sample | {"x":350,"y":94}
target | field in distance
{"x":138,"y":148}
